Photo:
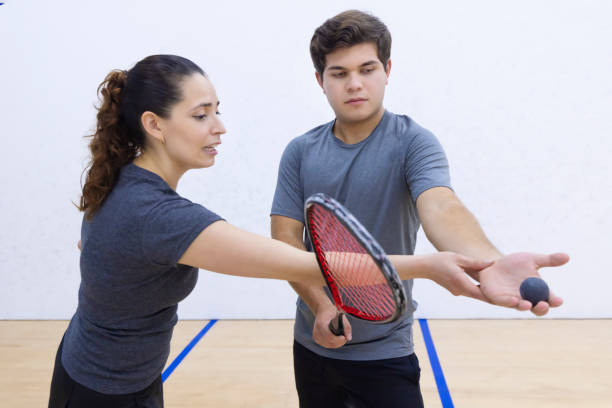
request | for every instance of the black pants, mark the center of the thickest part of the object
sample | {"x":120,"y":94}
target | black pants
{"x":326,"y":382}
{"x":65,"y":392}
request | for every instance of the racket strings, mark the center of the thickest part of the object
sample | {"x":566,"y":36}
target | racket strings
{"x":355,"y":278}
{"x":368,"y":281}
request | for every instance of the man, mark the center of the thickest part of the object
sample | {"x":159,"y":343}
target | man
{"x":393,"y":175}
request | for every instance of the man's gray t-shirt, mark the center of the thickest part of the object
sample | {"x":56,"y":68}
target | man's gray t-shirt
{"x":378,"y":180}
{"x":118,"y":340}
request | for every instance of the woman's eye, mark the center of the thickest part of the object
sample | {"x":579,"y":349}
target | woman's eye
{"x":200,"y":117}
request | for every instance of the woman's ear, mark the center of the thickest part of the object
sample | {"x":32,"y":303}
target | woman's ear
{"x":151,"y":123}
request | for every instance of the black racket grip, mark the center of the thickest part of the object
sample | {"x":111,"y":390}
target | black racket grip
{"x":336,"y":325}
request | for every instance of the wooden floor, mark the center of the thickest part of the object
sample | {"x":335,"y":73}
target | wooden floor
{"x":486,"y":363}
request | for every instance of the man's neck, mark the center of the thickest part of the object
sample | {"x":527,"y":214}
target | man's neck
{"x":355,"y":132}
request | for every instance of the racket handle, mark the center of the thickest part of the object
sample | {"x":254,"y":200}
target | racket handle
{"x":336,"y":325}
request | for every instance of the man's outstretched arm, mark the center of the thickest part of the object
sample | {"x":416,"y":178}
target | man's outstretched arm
{"x":450,"y":226}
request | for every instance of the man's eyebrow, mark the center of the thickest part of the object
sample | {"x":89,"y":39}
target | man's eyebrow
{"x":340,"y":67}
{"x":371,"y":62}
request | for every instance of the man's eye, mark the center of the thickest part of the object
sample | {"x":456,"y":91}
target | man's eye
{"x":200,"y":117}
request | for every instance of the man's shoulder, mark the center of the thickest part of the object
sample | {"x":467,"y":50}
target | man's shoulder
{"x":313,"y":136}
{"x":404,"y":126}
{"x":315,"y":133}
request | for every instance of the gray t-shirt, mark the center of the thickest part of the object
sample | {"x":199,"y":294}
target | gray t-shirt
{"x":118,"y":340}
{"x":378,"y":180}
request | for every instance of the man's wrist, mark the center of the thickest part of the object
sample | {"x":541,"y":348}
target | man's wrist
{"x":323,"y":305}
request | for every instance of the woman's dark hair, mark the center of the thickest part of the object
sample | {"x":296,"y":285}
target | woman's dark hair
{"x":349,"y":28}
{"x":153,"y":84}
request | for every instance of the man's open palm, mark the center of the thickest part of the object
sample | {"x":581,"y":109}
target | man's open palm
{"x":501,"y":281}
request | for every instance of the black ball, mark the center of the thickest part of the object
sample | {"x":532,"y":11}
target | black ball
{"x":534,"y":290}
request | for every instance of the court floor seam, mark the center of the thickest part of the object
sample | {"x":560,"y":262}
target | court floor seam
{"x":443,"y":391}
{"x":166,"y":373}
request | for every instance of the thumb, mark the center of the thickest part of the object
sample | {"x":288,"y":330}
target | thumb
{"x":473,"y":264}
{"x":348,"y":330}
{"x":556,"y":259}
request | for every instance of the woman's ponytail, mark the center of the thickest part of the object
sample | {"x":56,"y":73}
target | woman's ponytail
{"x":111,"y":145}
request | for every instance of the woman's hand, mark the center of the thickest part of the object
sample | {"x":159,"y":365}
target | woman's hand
{"x":450,"y":270}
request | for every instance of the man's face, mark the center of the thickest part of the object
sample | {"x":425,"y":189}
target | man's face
{"x":354,"y":82}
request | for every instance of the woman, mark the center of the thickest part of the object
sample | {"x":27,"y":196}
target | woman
{"x":142,"y":243}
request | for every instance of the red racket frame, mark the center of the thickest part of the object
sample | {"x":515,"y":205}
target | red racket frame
{"x":370,"y":247}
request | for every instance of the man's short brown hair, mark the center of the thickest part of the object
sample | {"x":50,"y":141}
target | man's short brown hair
{"x":349,"y":28}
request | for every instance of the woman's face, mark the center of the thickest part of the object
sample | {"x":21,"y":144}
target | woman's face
{"x":193,"y":130}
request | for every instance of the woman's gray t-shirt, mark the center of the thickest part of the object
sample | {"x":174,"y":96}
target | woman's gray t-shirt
{"x":118,"y":340}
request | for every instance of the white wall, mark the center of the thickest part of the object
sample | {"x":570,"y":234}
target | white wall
{"x":518,"y":92}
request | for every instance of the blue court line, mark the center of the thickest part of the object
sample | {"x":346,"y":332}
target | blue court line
{"x":445,"y":397}
{"x":186,"y":350}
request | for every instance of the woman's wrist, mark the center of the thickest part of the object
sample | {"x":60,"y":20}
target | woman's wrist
{"x":412,"y":266}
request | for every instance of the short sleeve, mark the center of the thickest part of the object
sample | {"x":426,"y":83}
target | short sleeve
{"x":426,"y":165}
{"x":170,"y":227}
{"x":289,"y":194}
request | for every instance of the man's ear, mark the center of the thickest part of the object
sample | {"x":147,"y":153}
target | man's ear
{"x":151,"y":123}
{"x":388,"y":70}
{"x":319,"y":80}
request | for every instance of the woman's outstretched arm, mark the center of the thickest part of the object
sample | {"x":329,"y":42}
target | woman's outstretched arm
{"x":224,"y":248}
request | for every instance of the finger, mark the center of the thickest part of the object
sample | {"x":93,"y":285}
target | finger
{"x":473,"y":291}
{"x":523,"y":305}
{"x":348,"y":330}
{"x":554,"y":300}
{"x":79,"y":244}
{"x":510,"y":301}
{"x":336,"y":325}
{"x":557,"y":259}
{"x":333,"y":341}
{"x":337,"y":341}
{"x":540,"y":309}
{"x":473,"y":264}
{"x":487,"y":299}
{"x":327,"y":339}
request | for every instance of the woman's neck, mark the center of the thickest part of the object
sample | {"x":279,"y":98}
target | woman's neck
{"x":163,"y":168}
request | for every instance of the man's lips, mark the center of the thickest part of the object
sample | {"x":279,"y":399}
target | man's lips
{"x":356,"y":100}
